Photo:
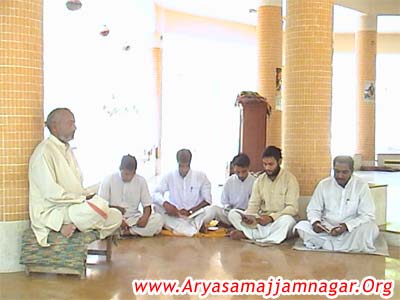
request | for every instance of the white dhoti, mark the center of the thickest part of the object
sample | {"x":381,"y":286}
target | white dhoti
{"x":95,"y":214}
{"x":360,"y":239}
{"x":183,"y":226}
{"x":273,"y":233}
{"x":216,"y":213}
{"x":153,"y":226}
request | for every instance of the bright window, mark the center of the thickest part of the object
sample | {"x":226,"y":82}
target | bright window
{"x":202,"y":78}
{"x":108,"y":85}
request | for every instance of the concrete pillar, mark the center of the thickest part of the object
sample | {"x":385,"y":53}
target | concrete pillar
{"x":21,"y":118}
{"x":366,"y":39}
{"x":269,"y":43}
{"x":308,"y":91}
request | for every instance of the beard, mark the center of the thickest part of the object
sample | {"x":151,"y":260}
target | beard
{"x":66,"y":139}
{"x":274,"y":172}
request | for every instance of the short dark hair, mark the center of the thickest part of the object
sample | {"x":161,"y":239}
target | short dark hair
{"x":344,"y":159}
{"x":241,"y":160}
{"x":272,"y":151}
{"x":128,"y":162}
{"x":184,"y":156}
{"x":52,"y":114}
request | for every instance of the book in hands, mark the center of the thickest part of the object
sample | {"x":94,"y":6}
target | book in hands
{"x":248,"y":221}
{"x":328,"y":230}
{"x":320,"y":226}
{"x":196,"y":213}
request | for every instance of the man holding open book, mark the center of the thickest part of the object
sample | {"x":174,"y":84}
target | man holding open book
{"x":341,"y":213}
{"x":188,"y":192}
{"x":269,"y":217}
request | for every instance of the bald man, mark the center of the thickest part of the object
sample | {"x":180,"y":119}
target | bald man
{"x":57,"y":199}
{"x":189,"y":191}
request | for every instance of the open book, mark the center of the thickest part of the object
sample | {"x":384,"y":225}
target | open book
{"x":327,"y":228}
{"x":196,"y":213}
{"x":248,"y":220}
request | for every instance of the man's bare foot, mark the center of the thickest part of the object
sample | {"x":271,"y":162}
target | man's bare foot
{"x":224,"y":225}
{"x":237,"y":235}
{"x":68,"y":230}
{"x":125,"y":231}
{"x":203,"y":229}
{"x":230,"y":229}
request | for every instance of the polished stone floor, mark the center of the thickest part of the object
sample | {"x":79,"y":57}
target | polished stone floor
{"x":201,"y":258}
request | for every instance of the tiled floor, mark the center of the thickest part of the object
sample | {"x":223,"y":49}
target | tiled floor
{"x":200,"y":258}
{"x":210,"y":258}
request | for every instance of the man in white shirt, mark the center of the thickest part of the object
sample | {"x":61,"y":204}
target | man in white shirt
{"x":189,"y":191}
{"x":341,"y":212}
{"x":236,"y":192}
{"x":126,"y":191}
{"x":269,"y":217}
{"x":57,"y":199}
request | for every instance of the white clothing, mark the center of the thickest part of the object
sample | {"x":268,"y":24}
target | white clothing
{"x":131,"y":195}
{"x":273,"y":233}
{"x":55,"y":184}
{"x":216,"y":213}
{"x":82,"y":216}
{"x":236,"y":193}
{"x":331,"y":204}
{"x":181,"y":226}
{"x":360,"y":239}
{"x":154,"y":226}
{"x":184,"y":192}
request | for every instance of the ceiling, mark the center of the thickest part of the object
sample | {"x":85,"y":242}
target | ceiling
{"x":345,"y":15}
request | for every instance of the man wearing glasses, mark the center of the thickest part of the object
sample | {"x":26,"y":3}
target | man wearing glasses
{"x":341,"y":213}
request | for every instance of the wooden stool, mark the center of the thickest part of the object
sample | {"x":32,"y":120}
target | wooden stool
{"x":106,"y":252}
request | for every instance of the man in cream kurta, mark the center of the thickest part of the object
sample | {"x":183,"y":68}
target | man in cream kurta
{"x":57,"y":199}
{"x":189,"y":192}
{"x":128,"y":191}
{"x":341,"y":213}
{"x":272,"y":206}
{"x":236,"y":192}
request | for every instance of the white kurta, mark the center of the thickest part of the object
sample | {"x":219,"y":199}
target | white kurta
{"x":235,"y":194}
{"x":55,"y":184}
{"x":132,"y":196}
{"x":331,"y":204}
{"x":184,"y":193}
{"x":277,"y":199}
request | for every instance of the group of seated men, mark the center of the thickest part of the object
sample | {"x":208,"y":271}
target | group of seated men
{"x":264,"y":209}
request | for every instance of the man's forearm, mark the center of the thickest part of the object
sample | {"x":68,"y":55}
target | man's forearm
{"x":202,"y":204}
{"x":147,"y":211}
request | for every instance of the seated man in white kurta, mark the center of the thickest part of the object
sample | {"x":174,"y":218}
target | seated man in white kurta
{"x":236,"y":192}
{"x":127,"y":191}
{"x":341,"y":213}
{"x":57,"y":199}
{"x":269,"y":217}
{"x":189,"y":191}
